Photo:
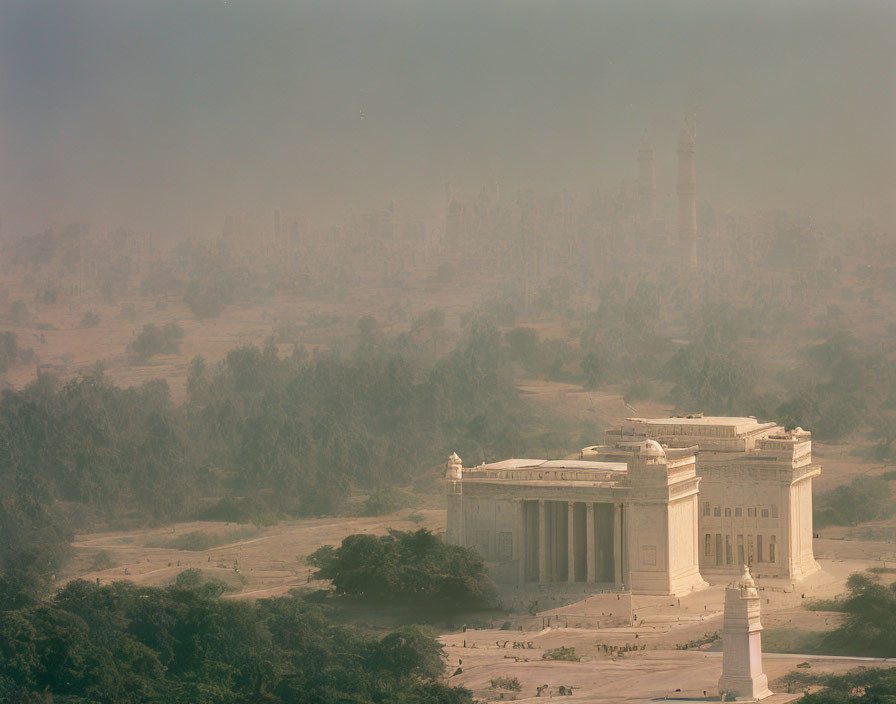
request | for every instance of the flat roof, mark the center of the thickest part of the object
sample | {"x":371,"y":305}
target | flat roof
{"x":703,"y":420}
{"x":558,"y":464}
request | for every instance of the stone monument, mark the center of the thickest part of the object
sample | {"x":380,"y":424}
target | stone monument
{"x":742,"y":677}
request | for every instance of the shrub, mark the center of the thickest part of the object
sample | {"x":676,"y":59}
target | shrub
{"x":562,"y":653}
{"x":509,"y":683}
{"x":153,"y":340}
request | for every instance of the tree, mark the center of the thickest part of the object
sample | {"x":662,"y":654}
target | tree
{"x":407,"y":568}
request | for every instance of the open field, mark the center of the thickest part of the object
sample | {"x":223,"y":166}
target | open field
{"x":270,"y":562}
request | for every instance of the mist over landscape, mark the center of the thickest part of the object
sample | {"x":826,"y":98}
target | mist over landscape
{"x":145,"y":115}
{"x":440,"y":353}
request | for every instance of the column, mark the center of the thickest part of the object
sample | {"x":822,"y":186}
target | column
{"x":521,"y":552}
{"x":570,"y":541}
{"x":542,"y":543}
{"x":589,"y":542}
{"x":618,"y":577}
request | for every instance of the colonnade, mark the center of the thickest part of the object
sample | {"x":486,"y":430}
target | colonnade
{"x":570,"y":541}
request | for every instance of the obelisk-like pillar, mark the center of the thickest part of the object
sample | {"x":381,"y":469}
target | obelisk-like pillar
{"x":742,"y":676}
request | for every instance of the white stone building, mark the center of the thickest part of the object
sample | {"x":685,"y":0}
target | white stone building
{"x":663,"y":503}
{"x":755,"y":491}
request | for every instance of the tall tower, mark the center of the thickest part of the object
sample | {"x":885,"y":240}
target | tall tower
{"x":687,"y":200}
{"x":742,"y":674}
{"x":647,"y":181}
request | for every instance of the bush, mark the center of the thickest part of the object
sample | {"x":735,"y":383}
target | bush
{"x":153,"y":340}
{"x":509,"y":683}
{"x":562,"y":653}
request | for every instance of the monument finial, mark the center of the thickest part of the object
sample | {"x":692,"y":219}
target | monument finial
{"x":454,"y":467}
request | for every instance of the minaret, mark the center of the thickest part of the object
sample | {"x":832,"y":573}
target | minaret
{"x":687,"y":200}
{"x":647,"y":181}
{"x":742,"y":677}
{"x":454,"y":474}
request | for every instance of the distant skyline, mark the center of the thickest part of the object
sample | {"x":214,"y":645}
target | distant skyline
{"x":129,"y":113}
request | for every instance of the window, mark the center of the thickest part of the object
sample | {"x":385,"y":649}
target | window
{"x":706,"y":508}
{"x":740,"y":550}
{"x":765,"y":513}
{"x":707,"y":545}
{"x":750,"y":553}
{"x":771,"y":548}
{"x":719,"y":549}
{"x":727,"y":512}
{"x":717,"y":512}
{"x":758,"y":548}
{"x":737,"y":512}
{"x":774,"y":510}
{"x":505,"y":545}
{"x":728,"y":555}
{"x":751,"y":512}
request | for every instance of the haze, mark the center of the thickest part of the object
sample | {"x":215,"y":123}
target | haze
{"x":148,"y":114}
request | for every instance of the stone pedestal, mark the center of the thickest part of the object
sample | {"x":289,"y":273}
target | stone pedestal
{"x":742,"y":677}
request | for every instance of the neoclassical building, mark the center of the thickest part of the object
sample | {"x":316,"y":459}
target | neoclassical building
{"x":663,"y":503}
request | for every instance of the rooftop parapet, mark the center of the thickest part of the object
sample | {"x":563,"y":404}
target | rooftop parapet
{"x":794,"y":446}
{"x":710,"y":433}
{"x":528,"y":470}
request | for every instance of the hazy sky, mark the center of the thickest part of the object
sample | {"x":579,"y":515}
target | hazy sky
{"x":135,"y":112}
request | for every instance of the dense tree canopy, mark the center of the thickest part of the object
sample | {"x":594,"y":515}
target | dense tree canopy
{"x":127,"y":644}
{"x":262,"y":435}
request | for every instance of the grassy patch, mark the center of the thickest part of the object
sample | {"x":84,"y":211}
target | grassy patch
{"x":202,"y":540}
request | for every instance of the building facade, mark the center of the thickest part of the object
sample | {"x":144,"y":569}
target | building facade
{"x":626,"y":517}
{"x":662,"y":504}
{"x":755,"y":491}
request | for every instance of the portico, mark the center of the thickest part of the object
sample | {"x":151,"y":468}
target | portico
{"x":569,"y":541}
{"x":579,"y":521}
